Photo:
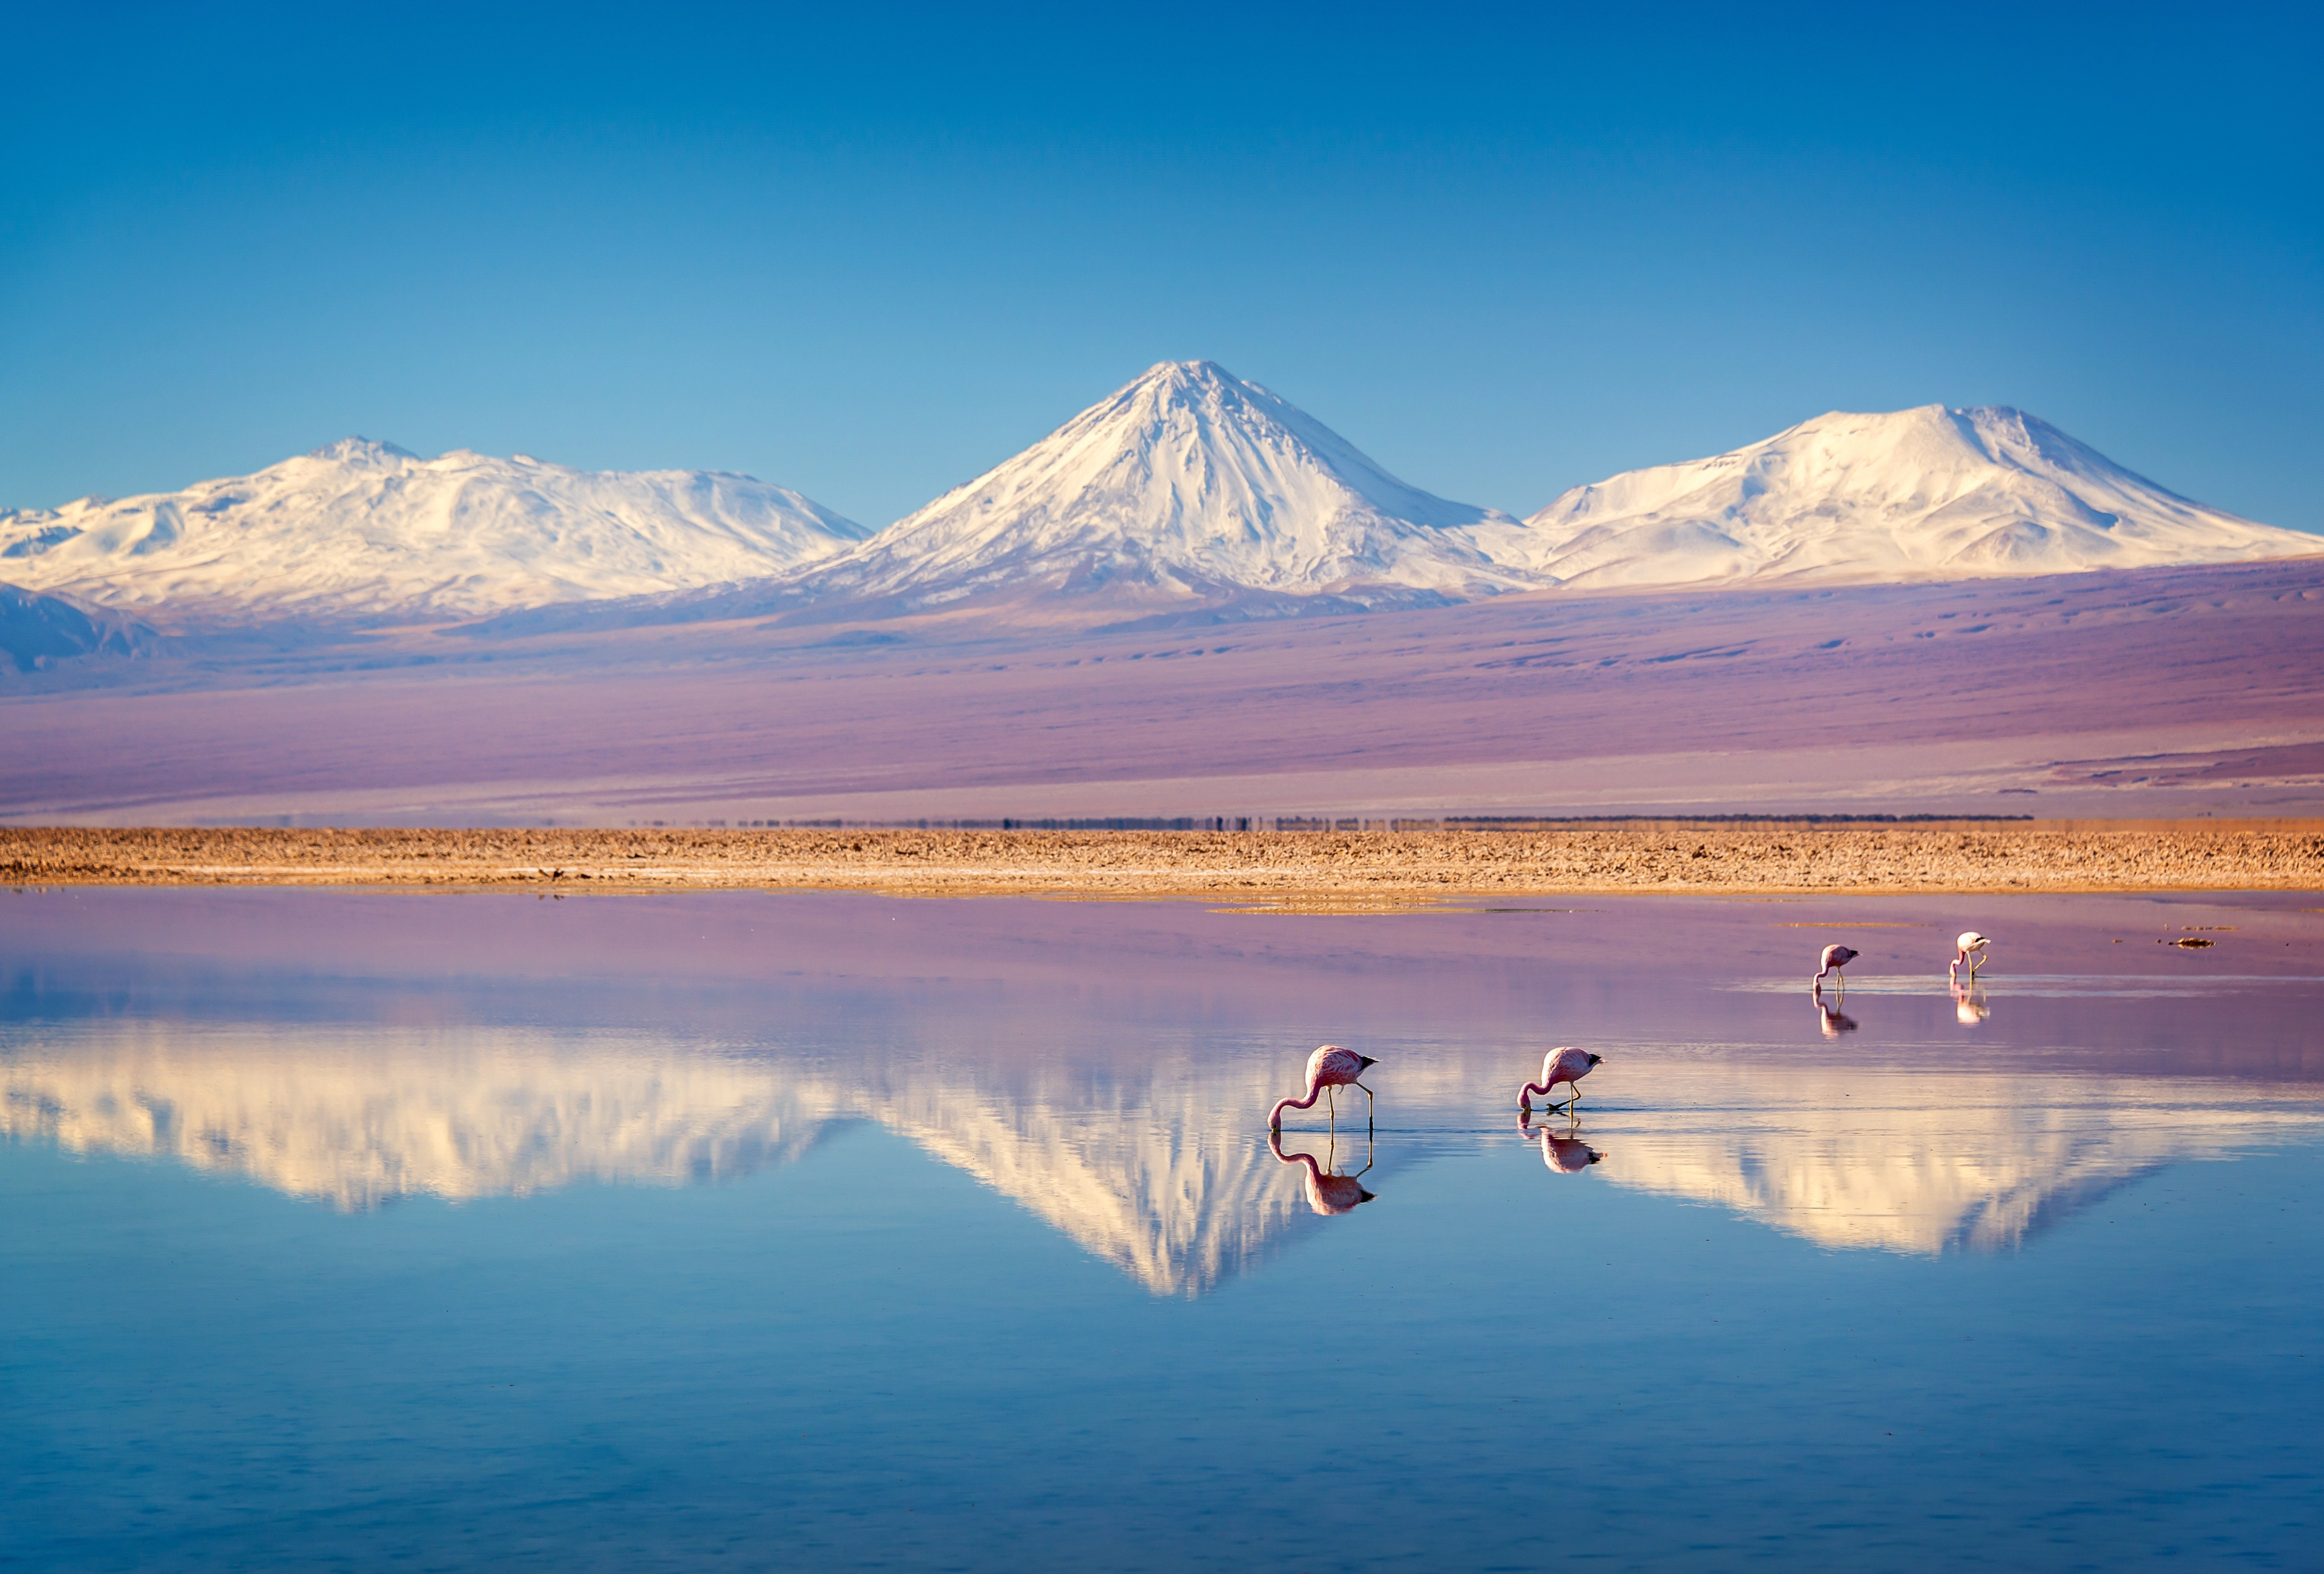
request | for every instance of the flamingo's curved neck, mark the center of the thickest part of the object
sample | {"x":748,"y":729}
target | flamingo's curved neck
{"x":1274,"y":1116}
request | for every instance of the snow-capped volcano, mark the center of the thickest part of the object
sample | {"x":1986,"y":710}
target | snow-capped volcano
{"x":1926,"y":494}
{"x":1187,"y":483}
{"x":365,"y":530}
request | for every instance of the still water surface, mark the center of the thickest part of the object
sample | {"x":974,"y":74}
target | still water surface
{"x":350,"y":1231}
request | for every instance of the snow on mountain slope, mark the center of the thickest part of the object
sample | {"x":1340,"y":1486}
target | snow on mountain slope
{"x":1926,"y":494}
{"x":361,"y":529}
{"x":1188,"y":483}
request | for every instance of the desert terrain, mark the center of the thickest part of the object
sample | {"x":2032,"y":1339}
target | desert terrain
{"x":2153,"y":694}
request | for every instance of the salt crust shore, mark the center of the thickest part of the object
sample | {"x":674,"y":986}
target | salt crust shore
{"x":1326,"y":868}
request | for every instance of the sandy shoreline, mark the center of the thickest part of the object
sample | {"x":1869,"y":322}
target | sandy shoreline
{"x":2059,"y":856}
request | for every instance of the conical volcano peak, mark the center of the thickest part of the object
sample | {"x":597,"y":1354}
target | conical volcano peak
{"x":1188,"y":374}
{"x":1200,"y":388}
{"x":1185,"y":483}
{"x":362,"y":450}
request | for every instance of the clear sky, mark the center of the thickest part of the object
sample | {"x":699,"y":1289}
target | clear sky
{"x":869,"y":252}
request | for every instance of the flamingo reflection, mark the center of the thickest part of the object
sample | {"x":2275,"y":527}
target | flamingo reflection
{"x":1567,"y":1065}
{"x":1328,"y":1192}
{"x":1328,"y":1069}
{"x":1969,"y":1003}
{"x":1833,"y":1020}
{"x":1567,"y":1154}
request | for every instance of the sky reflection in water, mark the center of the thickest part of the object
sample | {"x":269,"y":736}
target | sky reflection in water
{"x":834,"y":1229}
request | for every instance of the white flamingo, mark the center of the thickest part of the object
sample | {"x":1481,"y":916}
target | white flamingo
{"x":1969,"y":947}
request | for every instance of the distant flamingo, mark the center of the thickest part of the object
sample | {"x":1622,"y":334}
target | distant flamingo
{"x":1568,"y":1066}
{"x":1329,"y":1066}
{"x":1834,"y":959}
{"x":1970,"y":948}
{"x":1568,"y":1155}
{"x":1327,"y":1192}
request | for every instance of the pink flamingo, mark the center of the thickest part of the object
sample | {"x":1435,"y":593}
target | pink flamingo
{"x":1568,"y":1066}
{"x":1328,"y":1193}
{"x":1834,"y":959}
{"x":1969,"y":947}
{"x":1329,"y":1066}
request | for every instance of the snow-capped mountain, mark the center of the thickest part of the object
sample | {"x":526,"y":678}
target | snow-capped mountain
{"x":1926,"y":494}
{"x":1186,"y":484}
{"x":364,"y":530}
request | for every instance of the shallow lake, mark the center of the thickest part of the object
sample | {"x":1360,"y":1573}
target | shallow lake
{"x":347,"y":1230}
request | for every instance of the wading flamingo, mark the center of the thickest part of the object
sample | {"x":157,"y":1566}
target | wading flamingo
{"x":1970,"y":948}
{"x":1834,"y":959}
{"x":1568,"y":1066}
{"x":1328,"y":1193}
{"x":1329,"y":1066}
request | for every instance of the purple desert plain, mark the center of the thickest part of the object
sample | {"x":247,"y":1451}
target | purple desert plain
{"x":2153,"y":692}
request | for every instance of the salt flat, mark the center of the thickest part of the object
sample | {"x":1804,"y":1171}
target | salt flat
{"x":1400,"y":865}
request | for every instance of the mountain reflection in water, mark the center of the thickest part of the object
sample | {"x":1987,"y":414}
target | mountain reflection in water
{"x":1924,"y":1162}
{"x":1165,"y":1175}
{"x":1158,"y":1165}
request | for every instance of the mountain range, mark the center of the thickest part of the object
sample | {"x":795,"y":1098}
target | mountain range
{"x":366,"y":530}
{"x":1187,"y":489}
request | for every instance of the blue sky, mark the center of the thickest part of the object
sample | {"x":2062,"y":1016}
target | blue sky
{"x":1504,"y":250}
